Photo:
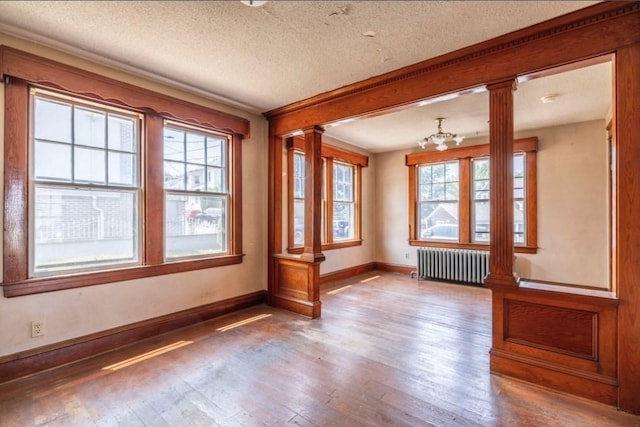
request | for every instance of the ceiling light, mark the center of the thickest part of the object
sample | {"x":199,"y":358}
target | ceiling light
{"x":549,"y":98}
{"x":253,"y":3}
{"x":440,"y":139}
{"x":369,"y":33}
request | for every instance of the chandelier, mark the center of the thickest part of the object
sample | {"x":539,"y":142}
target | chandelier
{"x":440,"y":138}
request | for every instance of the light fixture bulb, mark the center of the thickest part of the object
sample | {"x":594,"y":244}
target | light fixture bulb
{"x":440,"y":138}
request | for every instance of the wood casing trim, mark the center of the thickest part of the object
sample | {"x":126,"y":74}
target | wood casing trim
{"x":22,"y":70}
{"x":52,"y":74}
{"x":347,"y":273}
{"x":605,"y":25}
{"x":43,"y":358}
{"x":627,"y":232}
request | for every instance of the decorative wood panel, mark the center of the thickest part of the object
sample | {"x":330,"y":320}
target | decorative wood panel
{"x":560,"y":340}
{"x":296,"y":285}
{"x":573,"y":332}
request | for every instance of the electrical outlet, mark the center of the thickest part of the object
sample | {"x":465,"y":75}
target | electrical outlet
{"x":37,"y":328}
{"x":406,"y":255}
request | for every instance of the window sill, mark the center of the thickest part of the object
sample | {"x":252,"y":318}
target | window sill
{"x":329,"y":246}
{"x":57,"y":283}
{"x":476,"y":246}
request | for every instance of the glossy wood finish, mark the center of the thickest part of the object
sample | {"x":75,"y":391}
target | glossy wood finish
{"x":47,"y":357}
{"x":501,"y":176}
{"x":389,"y":351}
{"x":586,"y":33}
{"x":607,"y":28}
{"x":15,"y":239}
{"x":313,"y":194}
{"x":48,"y":73}
{"x":564,"y":341}
{"x":297,"y":285}
{"x":154,"y":194}
{"x":23,"y":70}
{"x":627,"y":234}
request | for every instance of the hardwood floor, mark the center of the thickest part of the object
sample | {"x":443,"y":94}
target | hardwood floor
{"x":388,"y":350}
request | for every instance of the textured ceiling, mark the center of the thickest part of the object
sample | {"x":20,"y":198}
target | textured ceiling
{"x":262,"y":58}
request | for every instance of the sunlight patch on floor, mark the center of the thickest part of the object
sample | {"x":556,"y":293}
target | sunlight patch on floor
{"x":145,"y":356}
{"x":242,"y":322}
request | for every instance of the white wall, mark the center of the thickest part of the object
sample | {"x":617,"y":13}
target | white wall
{"x":76,"y":312}
{"x":572,"y":207}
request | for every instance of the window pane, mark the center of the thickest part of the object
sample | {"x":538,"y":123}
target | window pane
{"x":481,"y":221}
{"x":174,"y":145}
{"x":437,"y":173}
{"x":122,"y":169}
{"x":343,"y":221}
{"x":342,"y":182}
{"x":83,"y":228}
{"x":89,"y":165}
{"x":89,"y":127}
{"x":52,"y":161}
{"x":52,"y":120}
{"x":195,"y":148}
{"x":195,"y":177}
{"x":204,"y":234}
{"x":122,"y":134}
{"x":438,"y":201}
{"x":215,"y":151}
{"x":215,"y":180}
{"x":174,"y":175}
{"x":298,"y":222}
{"x":438,"y":221}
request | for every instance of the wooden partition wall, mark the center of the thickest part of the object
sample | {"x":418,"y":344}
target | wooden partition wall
{"x":585,"y":345}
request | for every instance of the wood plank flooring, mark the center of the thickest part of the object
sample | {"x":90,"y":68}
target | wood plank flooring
{"x":387,"y":351}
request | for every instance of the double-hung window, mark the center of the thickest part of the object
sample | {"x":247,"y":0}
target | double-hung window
{"x":86,"y":185}
{"x":480,"y":193}
{"x":196,"y":192}
{"x":438,"y":194}
{"x":341,"y":196}
{"x":107,"y":182}
{"x":450,"y":205}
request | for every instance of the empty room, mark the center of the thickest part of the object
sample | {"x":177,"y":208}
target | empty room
{"x":320,"y":213}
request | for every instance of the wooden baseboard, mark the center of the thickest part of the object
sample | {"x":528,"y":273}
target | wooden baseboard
{"x":40,"y":359}
{"x":395,"y":268}
{"x":346,"y":273}
{"x":588,"y":385}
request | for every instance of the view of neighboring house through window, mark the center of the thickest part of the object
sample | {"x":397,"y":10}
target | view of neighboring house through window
{"x":196,"y":192}
{"x":438,"y":194}
{"x":86,"y":186}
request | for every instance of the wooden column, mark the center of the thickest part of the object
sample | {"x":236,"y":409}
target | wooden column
{"x":501,"y":176}
{"x":294,"y":280}
{"x":313,"y":194}
{"x":627,"y":231}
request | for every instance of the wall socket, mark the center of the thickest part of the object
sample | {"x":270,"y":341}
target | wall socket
{"x":37,"y":328}
{"x":406,"y":255}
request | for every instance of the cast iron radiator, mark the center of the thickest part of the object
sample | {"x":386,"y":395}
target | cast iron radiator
{"x":460,"y":265}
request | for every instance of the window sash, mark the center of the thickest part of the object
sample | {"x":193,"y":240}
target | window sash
{"x":84,"y":227}
{"x":340,"y":198}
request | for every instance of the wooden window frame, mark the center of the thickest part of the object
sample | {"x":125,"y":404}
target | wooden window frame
{"x":329,"y":154}
{"x":464,"y":156}
{"x":20,"y":72}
